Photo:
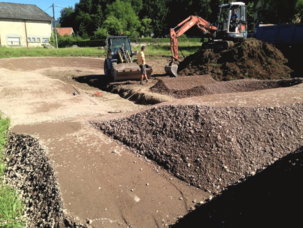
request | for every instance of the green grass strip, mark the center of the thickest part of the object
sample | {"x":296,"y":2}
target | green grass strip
{"x":185,"y":48}
{"x":10,"y":204}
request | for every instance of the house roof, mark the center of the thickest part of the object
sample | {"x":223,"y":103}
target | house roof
{"x":63,"y":31}
{"x":22,"y":11}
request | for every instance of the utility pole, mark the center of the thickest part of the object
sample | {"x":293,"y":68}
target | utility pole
{"x":55,"y":25}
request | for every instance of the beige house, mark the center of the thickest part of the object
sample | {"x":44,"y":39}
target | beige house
{"x":24,"y":25}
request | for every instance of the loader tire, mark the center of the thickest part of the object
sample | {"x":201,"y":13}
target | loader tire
{"x":113,"y":72}
{"x":107,"y":71}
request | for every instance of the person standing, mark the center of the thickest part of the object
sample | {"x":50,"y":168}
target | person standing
{"x":142,"y":64}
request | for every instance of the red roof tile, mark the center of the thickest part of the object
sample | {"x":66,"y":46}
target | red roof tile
{"x":63,"y":31}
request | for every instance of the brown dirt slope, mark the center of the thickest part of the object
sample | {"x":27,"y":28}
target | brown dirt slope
{"x":249,"y":59}
{"x":211,"y":147}
{"x":204,"y":85}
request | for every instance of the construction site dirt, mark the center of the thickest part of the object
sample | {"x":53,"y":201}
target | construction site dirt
{"x":248,"y":59}
{"x":174,"y":161}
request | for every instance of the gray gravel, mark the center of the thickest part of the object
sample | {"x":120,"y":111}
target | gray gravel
{"x":210,"y":147}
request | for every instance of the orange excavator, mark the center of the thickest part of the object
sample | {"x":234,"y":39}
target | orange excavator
{"x":232,"y":26}
{"x":185,"y":25}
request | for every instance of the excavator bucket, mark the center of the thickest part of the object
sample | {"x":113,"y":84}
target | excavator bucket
{"x":129,"y":71}
{"x":171,"y":70}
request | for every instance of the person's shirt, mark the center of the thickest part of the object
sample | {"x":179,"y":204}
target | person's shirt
{"x":233,"y":17}
{"x":141,"y":58}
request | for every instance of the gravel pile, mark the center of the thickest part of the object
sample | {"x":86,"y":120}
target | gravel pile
{"x":250,"y":59}
{"x":210,"y":147}
{"x":28,"y":169}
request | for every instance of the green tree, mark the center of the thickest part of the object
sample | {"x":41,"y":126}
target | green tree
{"x":121,"y":13}
{"x":67,"y":17}
{"x":98,"y":18}
{"x":146,"y":28}
{"x":85,"y":23}
{"x":101,"y":33}
{"x":157,"y":11}
{"x":250,"y":16}
{"x":113,"y":26}
{"x":279,"y":12}
{"x":137,"y":5}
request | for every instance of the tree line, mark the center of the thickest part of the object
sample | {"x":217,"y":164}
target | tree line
{"x":134,"y":18}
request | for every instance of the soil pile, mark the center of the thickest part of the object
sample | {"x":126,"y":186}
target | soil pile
{"x":250,"y":59}
{"x":211,"y":147}
{"x":28,"y":169}
{"x":204,"y":85}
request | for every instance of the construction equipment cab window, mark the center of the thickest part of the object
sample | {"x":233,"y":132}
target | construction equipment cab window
{"x":231,"y":17}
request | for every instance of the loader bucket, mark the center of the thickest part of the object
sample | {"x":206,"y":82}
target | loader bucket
{"x":171,"y":70}
{"x":129,"y":71}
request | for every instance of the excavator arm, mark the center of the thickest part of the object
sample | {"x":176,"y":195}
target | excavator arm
{"x":185,"y":25}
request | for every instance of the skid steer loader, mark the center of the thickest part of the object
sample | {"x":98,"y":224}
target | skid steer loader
{"x":119,"y":64}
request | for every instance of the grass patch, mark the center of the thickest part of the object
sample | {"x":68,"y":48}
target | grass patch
{"x":185,"y":47}
{"x":10,"y":204}
{"x":7,"y":52}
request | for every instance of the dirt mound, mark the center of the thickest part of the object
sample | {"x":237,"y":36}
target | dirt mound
{"x":250,"y":59}
{"x":211,"y":147}
{"x":204,"y":85}
{"x":29,"y":171}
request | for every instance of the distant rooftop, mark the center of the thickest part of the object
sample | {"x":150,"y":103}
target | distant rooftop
{"x":22,"y":11}
{"x":66,"y":30}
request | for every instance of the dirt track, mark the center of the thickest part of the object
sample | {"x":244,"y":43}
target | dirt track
{"x":96,"y":175}
{"x":99,"y":178}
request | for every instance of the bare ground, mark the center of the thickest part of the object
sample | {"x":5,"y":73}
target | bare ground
{"x":99,"y":178}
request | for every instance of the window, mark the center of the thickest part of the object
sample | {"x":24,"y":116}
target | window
{"x":33,"y":39}
{"x":45,"y":40}
{"x":29,"y":39}
{"x":13,"y":41}
{"x":38,"y":40}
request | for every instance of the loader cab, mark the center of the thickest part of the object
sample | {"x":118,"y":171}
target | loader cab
{"x":117,"y":47}
{"x":232,"y":24}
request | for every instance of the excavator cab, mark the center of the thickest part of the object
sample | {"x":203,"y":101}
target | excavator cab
{"x":232,"y":24}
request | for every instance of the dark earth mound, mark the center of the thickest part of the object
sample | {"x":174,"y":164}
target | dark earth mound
{"x":203,"y":85}
{"x":271,"y":198}
{"x":210,"y":147}
{"x":251,"y":58}
{"x":28,"y":169}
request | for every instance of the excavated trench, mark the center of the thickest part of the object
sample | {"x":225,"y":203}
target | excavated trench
{"x":130,"y":90}
{"x":182,"y":87}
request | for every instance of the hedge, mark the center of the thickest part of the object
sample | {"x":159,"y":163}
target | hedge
{"x":100,"y":43}
{"x":89,"y":43}
{"x":164,"y":40}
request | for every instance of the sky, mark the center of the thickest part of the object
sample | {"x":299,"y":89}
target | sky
{"x":45,"y":4}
